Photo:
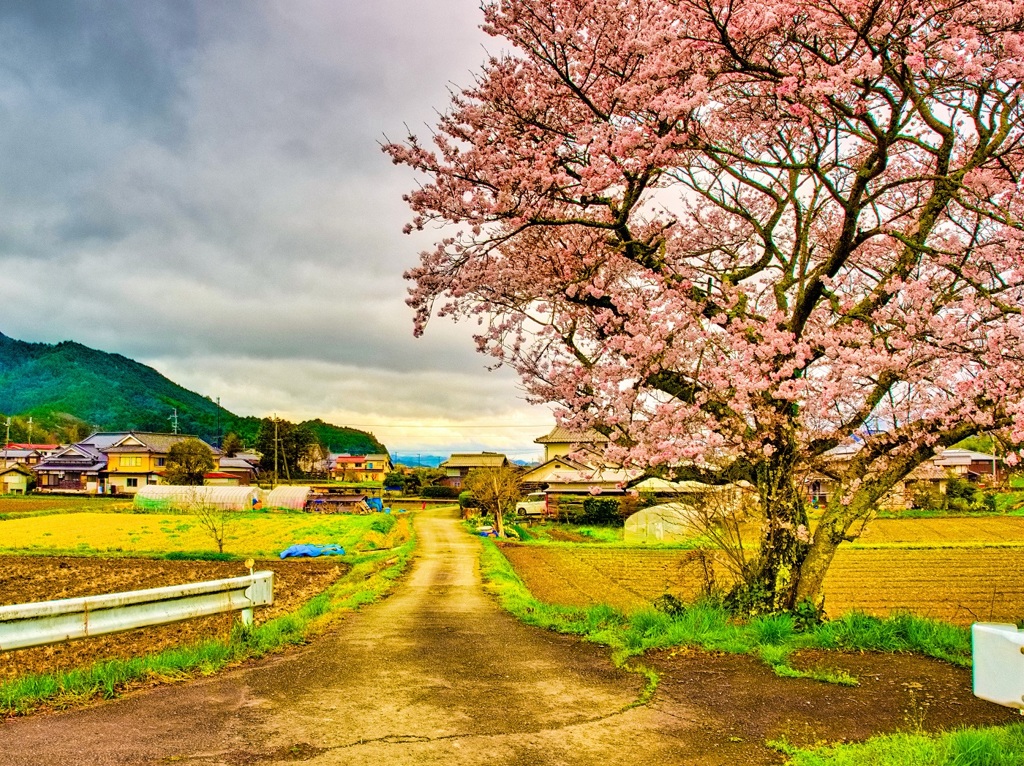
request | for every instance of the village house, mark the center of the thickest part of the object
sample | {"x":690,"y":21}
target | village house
{"x":27,"y":455}
{"x":361,"y":467}
{"x":458,"y":466}
{"x":15,"y":479}
{"x":107,"y":463}
{"x":562,"y":442}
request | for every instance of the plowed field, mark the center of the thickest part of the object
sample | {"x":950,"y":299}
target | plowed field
{"x":956,"y":584}
{"x":25,"y":579}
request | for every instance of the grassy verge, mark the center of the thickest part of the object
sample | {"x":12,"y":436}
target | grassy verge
{"x":372,"y":576}
{"x":772,"y":638}
{"x":996,"y":746}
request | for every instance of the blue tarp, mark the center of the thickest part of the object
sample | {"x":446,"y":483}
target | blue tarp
{"x":375,"y":504}
{"x":312,"y":551}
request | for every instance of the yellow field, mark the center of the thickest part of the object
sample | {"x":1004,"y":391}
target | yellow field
{"x":255,"y":534}
{"x":942,"y":532}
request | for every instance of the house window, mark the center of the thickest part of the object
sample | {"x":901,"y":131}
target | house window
{"x":161,"y":462}
{"x":131,"y":482}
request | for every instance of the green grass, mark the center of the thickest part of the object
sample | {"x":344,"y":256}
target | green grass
{"x":996,"y":746}
{"x":709,"y":625}
{"x":372,"y":575}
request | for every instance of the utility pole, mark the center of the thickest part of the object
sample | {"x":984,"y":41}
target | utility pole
{"x":7,"y":441}
{"x":174,"y":420}
{"x":30,"y":430}
{"x":275,"y":449}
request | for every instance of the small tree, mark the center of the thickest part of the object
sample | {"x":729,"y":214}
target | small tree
{"x":188,"y":461}
{"x":232,"y":444}
{"x":214,"y":520}
{"x":496,"y":491}
{"x":394,"y":479}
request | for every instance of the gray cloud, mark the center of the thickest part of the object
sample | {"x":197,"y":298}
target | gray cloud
{"x":195,"y":181}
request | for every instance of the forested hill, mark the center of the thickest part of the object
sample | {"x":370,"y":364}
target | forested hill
{"x":70,"y":390}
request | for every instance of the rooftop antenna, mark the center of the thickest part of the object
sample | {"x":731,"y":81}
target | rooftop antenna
{"x":174,"y":420}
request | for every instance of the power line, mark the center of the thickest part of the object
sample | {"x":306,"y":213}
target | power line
{"x":417,"y":425}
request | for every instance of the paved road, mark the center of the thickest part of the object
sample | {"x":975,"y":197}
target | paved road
{"x":435,"y":674}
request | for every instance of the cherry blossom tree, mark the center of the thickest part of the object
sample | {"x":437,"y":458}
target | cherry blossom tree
{"x":735,"y":236}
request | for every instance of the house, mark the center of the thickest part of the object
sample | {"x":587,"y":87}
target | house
{"x":78,"y":467}
{"x":243,"y":469}
{"x":973,"y":466}
{"x":540,"y":476}
{"x":560,"y":442}
{"x":15,"y":479}
{"x":361,"y":467}
{"x":139,"y":458}
{"x":458,"y":466}
{"x":25,"y":454}
{"x":931,"y":475}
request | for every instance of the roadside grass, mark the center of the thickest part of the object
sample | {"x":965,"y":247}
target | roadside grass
{"x":258,"y":534}
{"x":994,"y":746}
{"x":373,"y":575}
{"x":772,"y":638}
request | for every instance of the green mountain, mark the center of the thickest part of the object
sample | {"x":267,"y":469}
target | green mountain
{"x":69,"y":390}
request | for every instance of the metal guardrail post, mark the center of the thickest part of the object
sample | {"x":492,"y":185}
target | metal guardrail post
{"x":52,"y":622}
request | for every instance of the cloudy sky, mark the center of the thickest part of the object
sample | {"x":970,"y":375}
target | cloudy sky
{"x":199,"y":186}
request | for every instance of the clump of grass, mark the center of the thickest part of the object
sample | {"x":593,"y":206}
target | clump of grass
{"x":996,"y":746}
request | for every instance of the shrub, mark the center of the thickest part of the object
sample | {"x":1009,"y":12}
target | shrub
{"x":466,"y":500}
{"x":602,"y":511}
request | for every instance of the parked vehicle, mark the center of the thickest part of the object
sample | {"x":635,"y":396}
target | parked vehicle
{"x":534,"y":504}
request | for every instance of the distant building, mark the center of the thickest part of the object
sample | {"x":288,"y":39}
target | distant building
{"x":104,"y":463}
{"x":460,"y":464}
{"x":361,"y":467}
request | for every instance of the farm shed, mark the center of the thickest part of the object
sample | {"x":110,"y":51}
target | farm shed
{"x":664,"y":523}
{"x":158,"y":496}
{"x":292,"y":498}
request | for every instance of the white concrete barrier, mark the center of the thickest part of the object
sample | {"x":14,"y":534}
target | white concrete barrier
{"x":997,"y":651}
{"x":51,"y":622}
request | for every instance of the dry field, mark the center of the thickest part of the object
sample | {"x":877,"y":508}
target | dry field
{"x":959,"y":570}
{"x":41,"y":578}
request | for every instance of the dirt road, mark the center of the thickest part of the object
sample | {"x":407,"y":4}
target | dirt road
{"x":438,"y":674}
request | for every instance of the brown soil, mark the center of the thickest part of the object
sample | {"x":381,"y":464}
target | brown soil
{"x":25,"y":579}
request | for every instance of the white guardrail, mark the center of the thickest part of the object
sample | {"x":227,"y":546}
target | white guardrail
{"x":51,"y":622}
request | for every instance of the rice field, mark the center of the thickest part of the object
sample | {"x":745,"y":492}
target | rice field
{"x":131,"y":534}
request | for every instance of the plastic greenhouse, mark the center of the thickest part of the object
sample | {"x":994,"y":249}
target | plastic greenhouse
{"x":293,"y":498}
{"x":158,"y":496}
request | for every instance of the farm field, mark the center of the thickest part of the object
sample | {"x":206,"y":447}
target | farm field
{"x":11,"y":504}
{"x":138,"y":534}
{"x":72,"y":552}
{"x":25,"y":579}
{"x":960,"y":570}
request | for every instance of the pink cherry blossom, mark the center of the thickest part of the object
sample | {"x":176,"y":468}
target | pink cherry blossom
{"x":736,"y":237}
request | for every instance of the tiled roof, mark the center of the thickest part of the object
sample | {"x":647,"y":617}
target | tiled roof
{"x":560,"y":435}
{"x":475,"y":460}
{"x":152,"y":442}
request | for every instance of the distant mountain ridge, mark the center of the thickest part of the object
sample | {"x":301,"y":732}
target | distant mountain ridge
{"x":67,"y":389}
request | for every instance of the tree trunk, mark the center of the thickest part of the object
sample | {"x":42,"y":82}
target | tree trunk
{"x":832,"y":529}
{"x":772,"y":585}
